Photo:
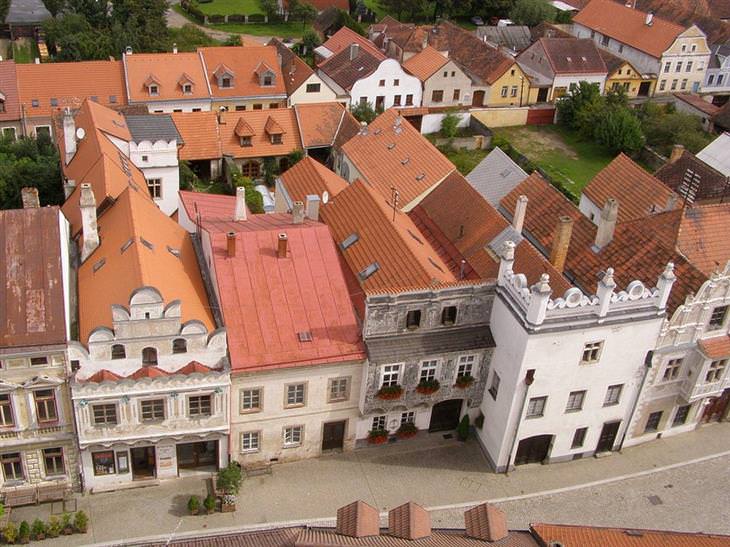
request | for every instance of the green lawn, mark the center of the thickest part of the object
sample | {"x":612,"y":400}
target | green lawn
{"x":464,"y":160}
{"x":569,"y":160}
{"x":282,"y":30}
{"x":25,"y":51}
{"x":230,"y":7}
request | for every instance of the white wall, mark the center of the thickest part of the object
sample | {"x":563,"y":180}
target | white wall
{"x":448,"y":84}
{"x":589,"y":209}
{"x":302,"y":96}
{"x":389,"y":70}
{"x":183,"y":106}
{"x":431,"y":123}
{"x":642,"y":61}
{"x":565,"y":81}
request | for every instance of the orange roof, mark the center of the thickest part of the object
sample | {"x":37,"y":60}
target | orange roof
{"x":627,"y":25}
{"x":392,"y":153}
{"x":293,"y":67}
{"x":54,"y":86}
{"x":639,"y":193}
{"x":717,"y":347}
{"x":344,"y":37}
{"x":148,"y":261}
{"x":259,"y":121}
{"x":309,"y":177}
{"x":319,"y":123}
{"x":105,"y":375}
{"x":594,"y":536}
{"x":701,"y":235}
{"x":166,"y":69}
{"x":9,"y":91}
{"x":200,"y":135}
{"x":424,"y":64}
{"x":215,"y":206}
{"x":380,"y":235}
{"x":243,"y":62}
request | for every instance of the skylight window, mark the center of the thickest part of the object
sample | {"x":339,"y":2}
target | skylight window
{"x":391,"y":146}
{"x":174,"y":252}
{"x":405,"y":161}
{"x":368,"y":271}
{"x":54,"y":101}
{"x":147,"y":244}
{"x":34,"y":103}
{"x":305,"y":336}
{"x":99,"y":264}
{"x":349,"y":241}
{"x":127,"y":244}
{"x":414,"y":236}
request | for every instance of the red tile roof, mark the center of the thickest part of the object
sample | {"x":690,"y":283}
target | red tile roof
{"x":698,"y":103}
{"x":342,"y":39}
{"x":309,"y":177}
{"x":573,"y":56}
{"x":269,"y":303}
{"x":319,"y":123}
{"x":712,"y":185}
{"x":628,"y":26}
{"x":638,"y":192}
{"x":9,"y":91}
{"x":346,"y":71}
{"x":293,"y":68}
{"x":716,"y":348}
{"x":200,"y":135}
{"x":594,"y":536}
{"x":167,"y":70}
{"x":104,"y":375}
{"x":277,"y":119}
{"x":244,"y":62}
{"x":393,"y":153}
{"x":424,"y":64}
{"x":215,"y":206}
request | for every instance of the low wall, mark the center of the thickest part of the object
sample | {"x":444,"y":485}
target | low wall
{"x":502,"y":117}
{"x":431,"y":123}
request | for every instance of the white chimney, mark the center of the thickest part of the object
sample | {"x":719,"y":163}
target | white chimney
{"x":606,"y":224}
{"x":174,"y":48}
{"x":354,"y":50}
{"x":312,"y":207}
{"x":518,"y":220}
{"x":87,"y":204}
{"x":649,"y":19}
{"x":69,"y":136}
{"x":69,"y":185}
{"x":240,"y":211}
{"x":297,"y":212}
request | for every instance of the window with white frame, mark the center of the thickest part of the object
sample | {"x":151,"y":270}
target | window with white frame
{"x":104,"y":414}
{"x":408,"y":417}
{"x":494,"y":387}
{"x":613,"y":395}
{"x":575,"y":401}
{"x":680,"y":417}
{"x":390,"y":375}
{"x":466,"y":366}
{"x":250,"y":441}
{"x":591,"y":352}
{"x":379,"y":423}
{"x":6,"y":411}
{"x":339,"y":389}
{"x":428,"y":370}
{"x":251,"y":399}
{"x":717,"y":318}
{"x":716,"y":370}
{"x":53,"y":461}
{"x":503,"y":91}
{"x":536,"y":407}
{"x":199,"y":406}
{"x":293,"y":436}
{"x":671,"y":371}
{"x":155,"y":188}
{"x":45,"y":405}
{"x":295,"y":394}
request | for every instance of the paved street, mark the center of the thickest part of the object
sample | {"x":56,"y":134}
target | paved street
{"x":436,"y":472}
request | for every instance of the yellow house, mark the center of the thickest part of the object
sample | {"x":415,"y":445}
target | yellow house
{"x":622,"y":74}
{"x":511,"y":88}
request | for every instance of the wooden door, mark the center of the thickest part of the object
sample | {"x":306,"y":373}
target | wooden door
{"x":478,"y":98}
{"x":533,"y":449}
{"x":333,"y":435}
{"x":445,"y":415}
{"x":608,"y":437}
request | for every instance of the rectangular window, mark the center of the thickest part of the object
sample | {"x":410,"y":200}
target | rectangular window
{"x":339,"y":390}
{"x":258,"y":106}
{"x":437,"y":95}
{"x":396,"y":100}
{"x":43,"y":131}
{"x":12,"y":466}
{"x":604,"y":41}
{"x":250,"y":400}
{"x":390,"y":375}
{"x":38,"y":361}
{"x":465,"y":366}
{"x":295,"y":394}
{"x":575,"y":401}
{"x":45,"y":405}
{"x":716,"y":371}
{"x":408,"y":417}
{"x":536,"y":407}
{"x":363,"y":101}
{"x":293,"y":436}
{"x":225,"y":82}
{"x":579,"y":437}
{"x":381,"y":83}
{"x":678,"y":67}
{"x":613,"y":395}
{"x":409,"y":100}
{"x":103,"y":462}
{"x":717,"y":318}
{"x":689,"y":66}
{"x":187,"y":89}
{"x":494,"y":388}
{"x":674,"y":85}
{"x":104,"y":414}
{"x":513,"y":91}
{"x":250,"y":441}
{"x":154,"y":90}
{"x":680,"y":417}
{"x":378,"y":423}
{"x":396,"y":82}
{"x":152,"y":410}
{"x":671,"y":371}
{"x":662,"y":85}
{"x":457,"y":94}
{"x":720,"y":77}
{"x":9,"y":133}
{"x":240,"y":107}
{"x":591,"y":353}
{"x":276,"y":139}
{"x":155,"y":188}
{"x":683,"y":85}
{"x":503,"y":92}
{"x":6,"y":411}
{"x":428,"y":370}
{"x":199,"y":405}
{"x":53,"y":461}
{"x":652,"y":423}
{"x":710,"y":79}
{"x":313,"y":88}
{"x":621,"y":48}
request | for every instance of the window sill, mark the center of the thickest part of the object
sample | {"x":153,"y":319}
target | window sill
{"x":250,"y":411}
{"x":286,"y":446}
{"x":251,"y":451}
{"x":573,"y":410}
{"x":342,"y":400}
{"x":534,"y":417}
{"x":610,"y":404}
{"x":298,"y":405}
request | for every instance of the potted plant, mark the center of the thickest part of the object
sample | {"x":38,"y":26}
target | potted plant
{"x":464,"y":381}
{"x":407,"y":430}
{"x":229,"y":479}
{"x":10,"y":532}
{"x":38,"y":530}
{"x":194,"y":505}
{"x":427,"y":387}
{"x":462,"y":430}
{"x":228,"y":503}
{"x":378,"y":436}
{"x":66,"y":527}
{"x":209,"y":504}
{"x":54,"y":527}
{"x":81,"y":522}
{"x":24,"y":532}
{"x":389,"y":392}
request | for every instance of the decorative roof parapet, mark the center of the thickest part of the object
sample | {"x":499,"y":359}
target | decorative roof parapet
{"x":536,"y":305}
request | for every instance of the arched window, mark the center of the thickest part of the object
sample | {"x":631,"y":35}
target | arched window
{"x":118,"y":351}
{"x":149,"y":357}
{"x":250,"y":169}
{"x":179,"y":345}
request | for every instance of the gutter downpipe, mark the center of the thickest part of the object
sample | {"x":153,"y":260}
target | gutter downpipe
{"x":529,"y":379}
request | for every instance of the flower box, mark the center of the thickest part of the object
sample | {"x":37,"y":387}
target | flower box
{"x":407,"y":430}
{"x":463,"y":382}
{"x":427,"y":387}
{"x":389,"y":392}
{"x":378,"y":436}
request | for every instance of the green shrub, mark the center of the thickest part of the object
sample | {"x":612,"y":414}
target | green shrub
{"x":462,"y":430}
{"x":229,"y":478}
{"x":24,"y":532}
{"x":54,"y":527}
{"x":194,"y":505}
{"x":38,"y":529}
{"x":10,"y":532}
{"x":254,"y":200}
{"x":81,"y":522}
{"x":450,"y":125}
{"x":209,"y":503}
{"x":2,"y":509}
{"x":66,"y":522}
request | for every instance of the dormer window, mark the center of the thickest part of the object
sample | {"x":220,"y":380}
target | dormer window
{"x":154,"y":90}
{"x":224,"y":76}
{"x":245,"y":141}
{"x":225,"y":82}
{"x":187,"y":89}
{"x":265,"y":74}
{"x":268,"y":79}
{"x":276,"y":139}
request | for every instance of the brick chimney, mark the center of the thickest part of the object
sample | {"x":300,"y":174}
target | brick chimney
{"x":240,"y":211}
{"x":409,"y":521}
{"x":312,"y":207}
{"x":354,"y":51}
{"x":281,"y":248}
{"x":606,"y":224}
{"x":677,"y":151}
{"x":561,"y":242}
{"x":29,"y":197}
{"x":231,"y":244}
{"x":518,"y":220}
{"x":486,"y":522}
{"x":89,"y":229}
{"x":297,"y":212}
{"x":358,"y":520}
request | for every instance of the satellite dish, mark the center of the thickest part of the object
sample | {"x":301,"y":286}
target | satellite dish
{"x":325,"y":197}
{"x":80,"y":133}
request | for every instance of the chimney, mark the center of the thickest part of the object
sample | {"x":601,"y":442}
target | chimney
{"x":37,"y":60}
{"x":649,"y":19}
{"x":363,"y":128}
{"x":561,"y":242}
{"x":89,"y":229}
{"x":231,"y":244}
{"x":358,"y":520}
{"x":29,"y":197}
{"x":354,"y":51}
{"x":297,"y":212}
{"x":313,"y":207}
{"x":174,"y":48}
{"x":671,"y":202}
{"x":282,"y":246}
{"x":677,"y":151}
{"x":485,"y":522}
{"x":69,"y":136}
{"x":69,"y":185}
{"x":240,"y":211}
{"x":409,"y":521}
{"x":539,"y":298}
{"x":518,"y":220}
{"x":606,"y":224}
{"x":664,"y":285}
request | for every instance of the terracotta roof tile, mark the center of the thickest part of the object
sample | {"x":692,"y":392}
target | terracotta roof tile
{"x":260,"y":121}
{"x":342,"y":39}
{"x":164,"y":69}
{"x":308,"y":177}
{"x":702,"y":236}
{"x":394,"y":154}
{"x":698,"y":103}
{"x":200,"y":133}
{"x":594,"y":536}
{"x":9,"y":91}
{"x":243,"y":129}
{"x":104,"y":375}
{"x":627,"y":25}
{"x":214,"y":206}
{"x":293,"y":68}
{"x":246,"y":63}
{"x":345,"y":71}
{"x":573,"y":56}
{"x":704,"y":14}
{"x":690,"y":177}
{"x":424,"y":64}
{"x":319,"y":123}
{"x":614,"y":62}
{"x":639,"y":193}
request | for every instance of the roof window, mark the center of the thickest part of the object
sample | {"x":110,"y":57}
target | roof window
{"x":414,"y":236}
{"x":305,"y":336}
{"x":112,"y":99}
{"x":34,"y":103}
{"x":435,"y":265}
{"x":147,"y":243}
{"x":405,"y":161}
{"x":174,"y":252}
{"x":95,"y":98}
{"x":127,"y":244}
{"x":349,"y":241}
{"x":54,"y":101}
{"x":421,"y":176}
{"x":391,"y":145}
{"x":368,"y":271}
{"x":99,"y":264}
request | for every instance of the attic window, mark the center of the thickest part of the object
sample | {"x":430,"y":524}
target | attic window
{"x":54,"y":101}
{"x":127,"y":245}
{"x":34,"y":103}
{"x":99,"y":264}
{"x":505,"y":173}
{"x":268,"y":79}
{"x":404,"y":161}
{"x":154,"y":90}
{"x":305,"y":336}
{"x":146,"y":243}
{"x":112,"y":99}
{"x":421,"y":176}
{"x":174,"y":252}
{"x":276,"y":139}
{"x":225,"y":82}
{"x":349,"y":241}
{"x":187,"y":89}
{"x":95,"y":98}
{"x":368,"y":271}
{"x":246,"y":141}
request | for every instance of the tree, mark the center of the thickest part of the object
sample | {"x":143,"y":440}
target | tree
{"x":364,"y":112}
{"x":569,"y":105}
{"x":269,"y":7}
{"x":190,"y":38}
{"x":531,"y":12}
{"x":310,"y":40}
{"x":619,"y":130}
{"x":302,"y":11}
{"x":29,"y":162}
{"x":450,"y":125}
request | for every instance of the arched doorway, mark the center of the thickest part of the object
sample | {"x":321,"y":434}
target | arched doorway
{"x":445,"y":415}
{"x":533,"y":449}
{"x":478,"y":98}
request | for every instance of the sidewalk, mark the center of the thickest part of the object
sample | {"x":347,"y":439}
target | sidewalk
{"x":429,"y":470}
